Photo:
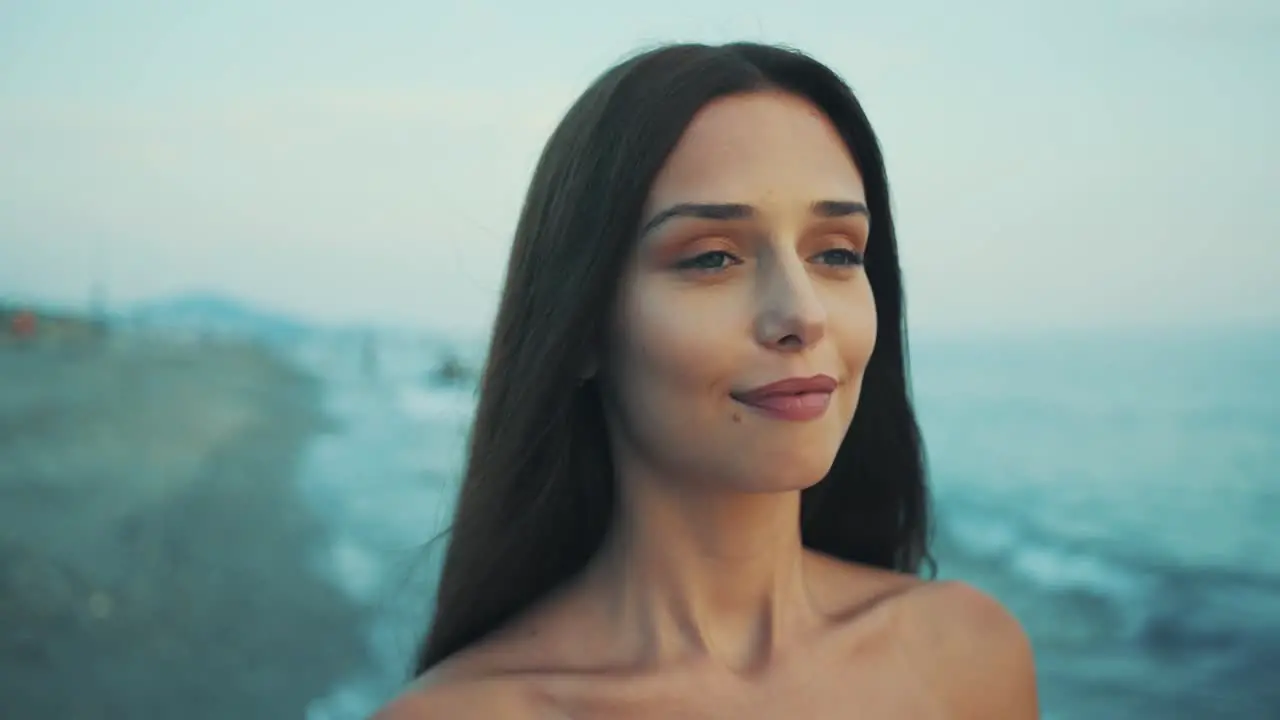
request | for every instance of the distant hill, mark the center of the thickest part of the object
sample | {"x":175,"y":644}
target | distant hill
{"x":210,"y":312}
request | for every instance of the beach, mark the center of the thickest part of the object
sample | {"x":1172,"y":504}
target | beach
{"x":1116,"y":491}
{"x":211,"y":529}
{"x":156,"y":559}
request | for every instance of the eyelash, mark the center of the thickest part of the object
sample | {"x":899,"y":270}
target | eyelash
{"x":852,"y":257}
{"x":849,"y":258}
{"x":697,"y":262}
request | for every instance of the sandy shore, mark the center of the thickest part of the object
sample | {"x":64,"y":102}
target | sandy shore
{"x":154,"y":556}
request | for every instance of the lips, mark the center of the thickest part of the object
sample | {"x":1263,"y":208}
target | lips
{"x":791,"y":399}
{"x":822,"y":384}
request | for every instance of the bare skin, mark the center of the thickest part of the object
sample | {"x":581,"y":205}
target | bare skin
{"x":910,"y":650}
{"x":703,"y":603}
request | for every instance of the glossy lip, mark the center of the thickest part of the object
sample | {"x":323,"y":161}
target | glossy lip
{"x":796,"y":399}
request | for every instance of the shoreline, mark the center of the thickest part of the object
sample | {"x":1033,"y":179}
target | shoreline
{"x":156,"y":557}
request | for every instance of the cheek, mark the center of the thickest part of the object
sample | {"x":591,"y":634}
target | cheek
{"x":858,"y":338}
{"x":851,"y":321}
{"x":853,"y":335}
{"x":671,"y":365}
{"x":669,"y":344}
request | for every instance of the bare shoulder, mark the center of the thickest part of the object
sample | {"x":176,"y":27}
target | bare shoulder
{"x":968,"y":649}
{"x":461,"y":692}
{"x":971,"y":650}
{"x":854,"y":591}
{"x":496,"y":677}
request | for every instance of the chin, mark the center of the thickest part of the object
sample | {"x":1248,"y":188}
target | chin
{"x":797,"y":471}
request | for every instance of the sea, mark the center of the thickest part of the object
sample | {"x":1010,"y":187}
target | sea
{"x":1118,"y":491}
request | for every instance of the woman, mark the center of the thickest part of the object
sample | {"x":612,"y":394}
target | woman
{"x":672,"y":508}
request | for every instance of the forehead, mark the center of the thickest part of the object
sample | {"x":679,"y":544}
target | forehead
{"x":766,"y":147}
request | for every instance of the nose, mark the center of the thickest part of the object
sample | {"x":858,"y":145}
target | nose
{"x":791,"y":316}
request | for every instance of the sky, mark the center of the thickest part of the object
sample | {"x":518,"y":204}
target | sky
{"x":1094,"y":163}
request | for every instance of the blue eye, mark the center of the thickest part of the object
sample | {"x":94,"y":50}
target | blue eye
{"x":708,"y":261}
{"x":841,"y":257}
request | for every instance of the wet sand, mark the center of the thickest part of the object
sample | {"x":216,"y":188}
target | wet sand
{"x":154,"y":555}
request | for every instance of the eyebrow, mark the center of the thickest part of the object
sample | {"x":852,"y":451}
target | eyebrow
{"x":740,"y":211}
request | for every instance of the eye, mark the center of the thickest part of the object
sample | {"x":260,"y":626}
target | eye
{"x":841,"y":257}
{"x":709,"y":261}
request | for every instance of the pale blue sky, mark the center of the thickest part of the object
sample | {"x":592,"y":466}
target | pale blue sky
{"x":1056,"y":164}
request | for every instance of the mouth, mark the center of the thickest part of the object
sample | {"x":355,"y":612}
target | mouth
{"x":794,"y":399}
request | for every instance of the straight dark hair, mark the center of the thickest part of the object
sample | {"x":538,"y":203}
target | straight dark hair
{"x":538,"y":495}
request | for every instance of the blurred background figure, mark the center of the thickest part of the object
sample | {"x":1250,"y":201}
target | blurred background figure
{"x":215,"y":514}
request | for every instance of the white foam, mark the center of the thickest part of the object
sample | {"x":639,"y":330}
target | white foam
{"x":353,"y":568}
{"x":985,"y":533}
{"x":984,"y":536}
{"x":1055,"y":568}
{"x":436,"y":404}
{"x":382,"y":482}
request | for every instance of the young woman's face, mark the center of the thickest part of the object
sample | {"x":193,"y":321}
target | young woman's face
{"x":748,"y":271}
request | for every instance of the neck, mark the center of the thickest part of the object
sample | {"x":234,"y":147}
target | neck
{"x":715,"y":575}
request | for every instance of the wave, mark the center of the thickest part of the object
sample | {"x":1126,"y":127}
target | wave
{"x":1089,"y":606}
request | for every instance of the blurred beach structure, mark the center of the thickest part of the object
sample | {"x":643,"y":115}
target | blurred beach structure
{"x":207,"y":511}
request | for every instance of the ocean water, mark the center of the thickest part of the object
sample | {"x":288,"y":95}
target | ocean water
{"x":1120,"y":493}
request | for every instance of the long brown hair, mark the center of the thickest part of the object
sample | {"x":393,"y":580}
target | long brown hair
{"x":538,"y":495}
